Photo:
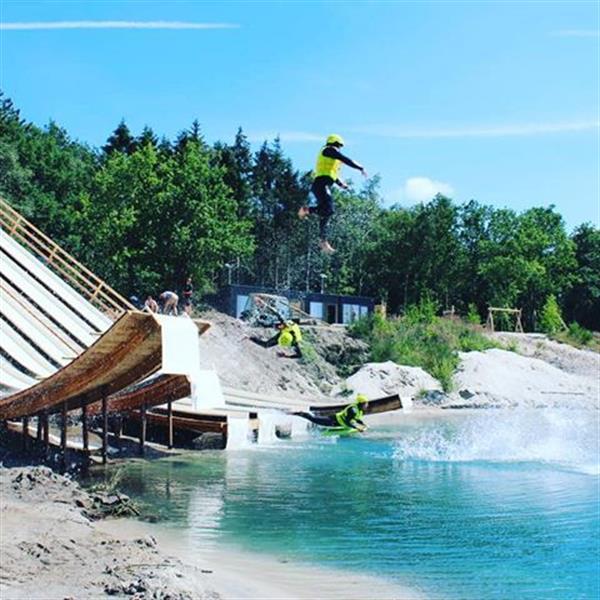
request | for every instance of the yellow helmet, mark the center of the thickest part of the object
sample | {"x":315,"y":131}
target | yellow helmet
{"x":361,"y":399}
{"x":334,"y":138}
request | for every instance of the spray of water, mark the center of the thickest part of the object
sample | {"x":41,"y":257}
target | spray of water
{"x":564,"y":437}
{"x":268,"y":421}
{"x":238,"y":433}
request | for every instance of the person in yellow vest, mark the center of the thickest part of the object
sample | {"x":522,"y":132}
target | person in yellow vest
{"x":287,"y":336}
{"x":326,"y":173}
{"x":349,"y":417}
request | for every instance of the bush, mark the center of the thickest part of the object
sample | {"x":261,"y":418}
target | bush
{"x":551,"y":320}
{"x":424,"y":312}
{"x":421,"y":339}
{"x":580,"y":334}
{"x":362,"y":327}
{"x":473,"y":315}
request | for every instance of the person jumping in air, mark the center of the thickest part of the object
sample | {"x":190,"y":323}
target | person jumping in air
{"x":326,"y":173}
{"x":288,"y":334}
{"x":350,"y":417}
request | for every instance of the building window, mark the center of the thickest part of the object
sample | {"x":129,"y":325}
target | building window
{"x":316,"y":310}
{"x":240,"y":304}
{"x":351,"y":312}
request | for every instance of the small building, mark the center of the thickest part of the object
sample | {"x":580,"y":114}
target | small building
{"x":332,"y":308}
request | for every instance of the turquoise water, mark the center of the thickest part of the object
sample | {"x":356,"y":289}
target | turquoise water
{"x":489,"y":505}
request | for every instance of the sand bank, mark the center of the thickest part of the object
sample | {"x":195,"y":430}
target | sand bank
{"x":51,"y":548}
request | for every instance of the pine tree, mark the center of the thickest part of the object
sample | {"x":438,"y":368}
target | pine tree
{"x":551,"y":320}
{"x":121,"y":140}
{"x":146,"y":137}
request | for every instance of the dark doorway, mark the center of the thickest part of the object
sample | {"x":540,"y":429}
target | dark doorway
{"x":331,"y":313}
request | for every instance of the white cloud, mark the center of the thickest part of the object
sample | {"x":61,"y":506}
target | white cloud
{"x":41,"y":25}
{"x":524,"y":129}
{"x":286,"y":136}
{"x":422,"y":189}
{"x":577,"y":33}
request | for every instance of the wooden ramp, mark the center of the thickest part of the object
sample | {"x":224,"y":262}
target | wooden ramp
{"x":160,"y":389}
{"x":129,"y":351}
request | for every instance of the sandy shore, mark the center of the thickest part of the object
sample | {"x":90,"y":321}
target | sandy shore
{"x":51,"y":548}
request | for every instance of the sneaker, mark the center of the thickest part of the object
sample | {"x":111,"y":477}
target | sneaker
{"x":326,"y":247}
{"x":303,"y":212}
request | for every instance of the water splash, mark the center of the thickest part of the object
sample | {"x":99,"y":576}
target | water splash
{"x":238,"y":432}
{"x":268,"y":421}
{"x":568,"y":438}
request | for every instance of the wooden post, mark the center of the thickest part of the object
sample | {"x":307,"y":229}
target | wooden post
{"x":170,"y":420}
{"x":118,"y":429}
{"x":46,"y":434}
{"x":104,"y":428}
{"x":63,"y":437}
{"x":25,"y":433}
{"x":143,"y":429}
{"x":85,"y":436}
{"x":38,"y":435}
{"x":519,"y":323}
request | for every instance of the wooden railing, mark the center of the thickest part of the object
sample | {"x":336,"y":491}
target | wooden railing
{"x":91,"y":287}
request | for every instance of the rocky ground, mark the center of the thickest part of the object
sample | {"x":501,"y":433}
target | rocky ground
{"x":329,"y":355}
{"x":562,"y":356}
{"x":501,"y":378}
{"x":51,"y":548}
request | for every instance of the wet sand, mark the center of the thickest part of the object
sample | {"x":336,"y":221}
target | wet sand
{"x":51,"y":548}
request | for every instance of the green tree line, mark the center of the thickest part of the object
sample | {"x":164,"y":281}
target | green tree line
{"x":145,"y":212}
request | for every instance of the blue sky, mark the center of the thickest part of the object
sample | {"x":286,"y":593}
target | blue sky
{"x":496,"y":101}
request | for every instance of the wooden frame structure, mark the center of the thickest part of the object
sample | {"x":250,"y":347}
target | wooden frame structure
{"x":130,"y":351}
{"x":512,"y":311}
{"x":164,"y":389}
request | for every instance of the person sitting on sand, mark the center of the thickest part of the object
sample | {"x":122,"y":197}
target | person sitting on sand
{"x":150,"y":305}
{"x":349,"y":417}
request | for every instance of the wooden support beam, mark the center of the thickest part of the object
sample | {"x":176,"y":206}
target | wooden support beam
{"x":85,"y":435}
{"x":170,"y":423}
{"x":143,"y":429}
{"x":46,"y":433}
{"x":104,"y":429}
{"x":63,"y":437}
{"x":25,"y":433}
{"x":38,"y":434}
{"x":118,"y":429}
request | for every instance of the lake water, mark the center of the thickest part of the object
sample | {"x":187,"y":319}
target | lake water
{"x":488,"y":504}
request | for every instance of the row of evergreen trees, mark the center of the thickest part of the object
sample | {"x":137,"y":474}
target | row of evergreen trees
{"x":145,"y":212}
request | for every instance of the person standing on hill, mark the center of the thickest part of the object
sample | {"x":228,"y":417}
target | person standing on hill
{"x":188,"y":292}
{"x":326,"y":173}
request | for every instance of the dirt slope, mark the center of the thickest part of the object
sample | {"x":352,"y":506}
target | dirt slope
{"x":329,"y":354}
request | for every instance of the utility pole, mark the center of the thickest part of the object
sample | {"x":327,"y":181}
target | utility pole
{"x":229,"y":267}
{"x":323,"y":278}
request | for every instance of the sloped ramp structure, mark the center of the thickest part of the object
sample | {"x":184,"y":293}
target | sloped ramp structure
{"x":129,"y":351}
{"x":161,"y":389}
